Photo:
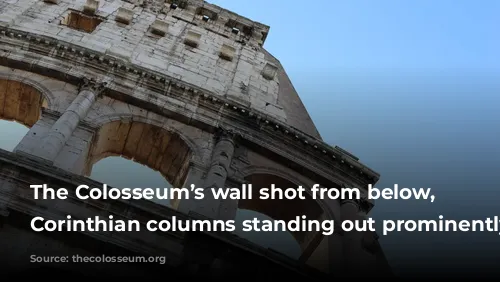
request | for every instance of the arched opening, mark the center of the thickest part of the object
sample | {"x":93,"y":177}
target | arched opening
{"x":292,"y":244}
{"x":20,"y":108}
{"x":136,"y":154}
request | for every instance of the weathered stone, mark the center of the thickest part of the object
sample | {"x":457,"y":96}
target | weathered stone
{"x":81,"y":21}
{"x":25,"y":108}
{"x":124,"y":16}
{"x":91,"y":7}
{"x":269,"y":71}
{"x":217,"y":175}
{"x":161,"y":108}
{"x":227,"y":52}
{"x":192,"y":39}
{"x":159,"y":27}
{"x":63,"y":128}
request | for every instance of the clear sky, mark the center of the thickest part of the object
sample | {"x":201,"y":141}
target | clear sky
{"x":413,"y":89}
{"x":410,"y":87}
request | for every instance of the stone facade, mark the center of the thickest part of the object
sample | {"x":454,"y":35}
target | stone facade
{"x":186,"y":88}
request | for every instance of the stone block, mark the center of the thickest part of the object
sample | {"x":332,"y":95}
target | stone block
{"x":227,"y":52}
{"x":208,"y":13}
{"x":269,"y":71}
{"x":124,"y":15}
{"x":91,"y":7}
{"x":137,"y":2}
{"x":174,"y":4}
{"x":192,"y":39}
{"x":159,"y":27}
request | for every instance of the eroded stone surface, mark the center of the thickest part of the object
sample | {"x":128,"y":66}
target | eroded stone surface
{"x":20,"y":102}
{"x":91,"y":7}
{"x":146,"y":144}
{"x":201,"y":66}
{"x":124,"y":15}
{"x":203,"y":104}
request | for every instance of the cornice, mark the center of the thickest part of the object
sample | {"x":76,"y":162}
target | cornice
{"x":209,"y":16}
{"x":92,"y":59}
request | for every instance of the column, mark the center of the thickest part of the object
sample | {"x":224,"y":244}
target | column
{"x":325,"y":255}
{"x":194,"y":177}
{"x":63,"y":128}
{"x":335,"y":252}
{"x":31,"y":141}
{"x":352,"y":241}
{"x":222,"y":155}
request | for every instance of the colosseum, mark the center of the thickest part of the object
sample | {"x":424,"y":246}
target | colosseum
{"x":187,"y":89}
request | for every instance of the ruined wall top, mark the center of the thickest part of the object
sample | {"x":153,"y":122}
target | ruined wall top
{"x":190,"y":41}
{"x":166,"y":50}
{"x":222,"y":21}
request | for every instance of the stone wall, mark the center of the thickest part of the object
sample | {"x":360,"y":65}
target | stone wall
{"x":198,"y":100}
{"x":155,"y":36}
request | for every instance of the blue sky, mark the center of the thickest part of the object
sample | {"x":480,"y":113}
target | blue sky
{"x":413,"y":89}
{"x":410,"y":87}
{"x":387,"y":34}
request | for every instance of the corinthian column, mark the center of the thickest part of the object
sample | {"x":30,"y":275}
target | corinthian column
{"x":64,"y":127}
{"x":352,"y":241}
{"x":222,"y":155}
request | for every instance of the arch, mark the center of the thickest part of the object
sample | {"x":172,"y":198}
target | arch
{"x":250,"y":170}
{"x":285,"y":210}
{"x":20,"y":102}
{"x":294,"y":178}
{"x":145,"y":143}
{"x":196,"y":154}
{"x":48,"y":97}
